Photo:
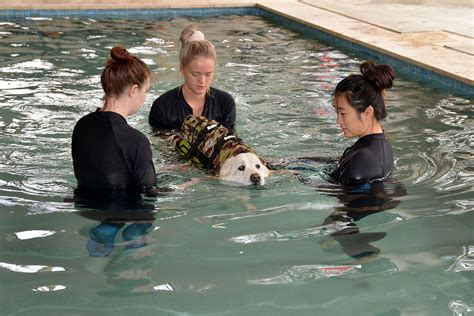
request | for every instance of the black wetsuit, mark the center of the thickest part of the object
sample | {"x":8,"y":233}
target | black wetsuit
{"x":370,"y":158}
{"x":109,"y":155}
{"x":170,"y":109}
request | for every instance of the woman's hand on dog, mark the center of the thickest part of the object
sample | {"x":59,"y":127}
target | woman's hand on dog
{"x":187,"y":184}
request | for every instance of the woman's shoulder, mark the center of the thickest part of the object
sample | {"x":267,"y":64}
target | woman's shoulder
{"x":218,"y":93}
{"x":222,"y":99}
{"x":89,"y":116}
{"x":134,"y":132}
{"x":131,"y":136}
{"x":168,"y":95}
{"x":373,"y":145}
{"x":363,"y":156}
{"x":371,"y":139}
{"x":367,"y":148}
{"x":96,"y":118}
{"x":368,"y":160}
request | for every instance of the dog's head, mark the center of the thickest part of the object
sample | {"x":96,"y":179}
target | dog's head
{"x":245,"y":168}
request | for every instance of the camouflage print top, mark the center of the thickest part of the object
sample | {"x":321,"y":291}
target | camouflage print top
{"x":207,"y":144}
{"x":231,"y":148}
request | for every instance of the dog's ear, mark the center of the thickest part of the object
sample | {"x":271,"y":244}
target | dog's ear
{"x":264,"y":168}
{"x":225,"y":168}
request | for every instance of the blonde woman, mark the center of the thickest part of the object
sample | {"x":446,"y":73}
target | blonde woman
{"x":197,"y":59}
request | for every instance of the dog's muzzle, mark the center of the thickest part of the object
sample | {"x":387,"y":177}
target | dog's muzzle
{"x":255,"y":178}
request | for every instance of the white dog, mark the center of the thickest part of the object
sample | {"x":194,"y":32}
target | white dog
{"x":245,"y":168}
{"x":208,"y":145}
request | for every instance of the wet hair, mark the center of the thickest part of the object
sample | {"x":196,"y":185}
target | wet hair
{"x":122,"y":70}
{"x":194,"y":44}
{"x":367,"y":88}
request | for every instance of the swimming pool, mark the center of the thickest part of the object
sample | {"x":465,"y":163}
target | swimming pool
{"x":220,"y":249}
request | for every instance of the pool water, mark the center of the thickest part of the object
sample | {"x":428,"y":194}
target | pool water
{"x":220,"y":249}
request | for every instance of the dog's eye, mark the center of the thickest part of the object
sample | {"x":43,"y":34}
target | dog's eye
{"x":242,"y":168}
{"x":257,"y":166}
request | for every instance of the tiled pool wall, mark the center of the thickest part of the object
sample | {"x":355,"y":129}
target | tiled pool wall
{"x":165,"y":13}
{"x":417,"y":73}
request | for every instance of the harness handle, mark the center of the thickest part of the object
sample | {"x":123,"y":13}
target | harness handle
{"x":200,"y":137}
{"x":217,"y":149}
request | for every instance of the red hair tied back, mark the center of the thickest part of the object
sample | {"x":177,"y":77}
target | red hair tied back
{"x":122,"y":70}
{"x":118,"y":54}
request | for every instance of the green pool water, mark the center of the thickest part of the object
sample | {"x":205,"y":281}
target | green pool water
{"x":219,"y":249}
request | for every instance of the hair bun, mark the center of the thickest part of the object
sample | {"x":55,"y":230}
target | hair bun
{"x":379,"y":76}
{"x":119,"y":54}
{"x":190,"y":34}
{"x":196,"y":37}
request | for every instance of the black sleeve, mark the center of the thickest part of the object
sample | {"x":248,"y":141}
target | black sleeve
{"x":228,"y":112}
{"x":143,"y":172}
{"x":361,"y":168}
{"x":165,"y":113}
{"x":136,"y":151}
{"x":157,"y":117}
{"x":168,"y":111}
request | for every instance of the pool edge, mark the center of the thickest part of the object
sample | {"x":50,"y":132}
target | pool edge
{"x":417,"y":71}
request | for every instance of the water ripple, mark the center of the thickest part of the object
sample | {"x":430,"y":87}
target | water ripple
{"x":31,"y":234}
{"x":50,"y":288}
{"x":460,"y":308}
{"x":32,"y":268}
{"x":262,"y":212}
{"x":293,"y":235}
{"x":28,"y":67}
{"x":305,"y":273}
{"x":465,"y":262}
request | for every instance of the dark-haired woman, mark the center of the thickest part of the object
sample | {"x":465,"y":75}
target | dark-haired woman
{"x":360,"y":106}
{"x":197,"y":60}
{"x":110,"y":156}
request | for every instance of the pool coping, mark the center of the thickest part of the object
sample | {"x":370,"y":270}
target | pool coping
{"x":418,"y":71}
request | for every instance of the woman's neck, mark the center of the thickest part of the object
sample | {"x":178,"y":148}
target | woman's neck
{"x":195,"y":101}
{"x":115,"y":105}
{"x":373,"y":128}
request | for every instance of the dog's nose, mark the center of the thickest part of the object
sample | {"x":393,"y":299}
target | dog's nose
{"x":255,"y":178}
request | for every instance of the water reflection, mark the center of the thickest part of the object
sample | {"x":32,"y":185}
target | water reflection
{"x":304,"y":273}
{"x":123,"y":222}
{"x":464,"y":262}
{"x":115,"y":211}
{"x":355,"y":204}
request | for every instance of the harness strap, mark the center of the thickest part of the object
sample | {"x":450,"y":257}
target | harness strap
{"x":200,"y":137}
{"x":217,"y":149}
